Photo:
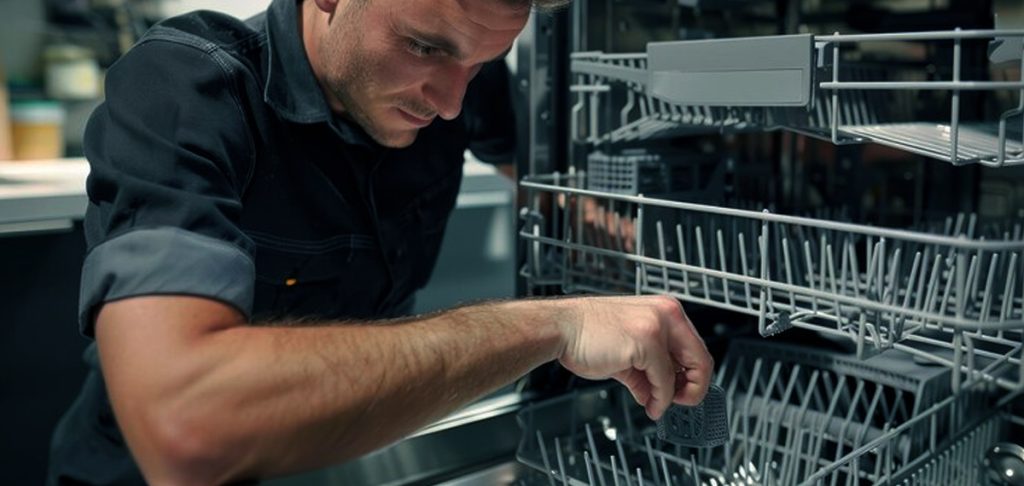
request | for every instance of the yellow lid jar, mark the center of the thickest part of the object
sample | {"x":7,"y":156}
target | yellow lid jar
{"x":37,"y":129}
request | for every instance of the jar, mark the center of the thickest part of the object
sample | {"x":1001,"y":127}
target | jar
{"x":37,"y":130}
{"x":6,"y":151}
{"x":71,"y":73}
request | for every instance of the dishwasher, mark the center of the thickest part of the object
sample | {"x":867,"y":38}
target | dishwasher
{"x":833,"y":191}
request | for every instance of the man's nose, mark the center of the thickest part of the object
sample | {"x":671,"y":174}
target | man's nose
{"x":446,"y":91}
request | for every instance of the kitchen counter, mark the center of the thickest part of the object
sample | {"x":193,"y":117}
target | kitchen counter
{"x":49,"y":195}
{"x":41,"y":195}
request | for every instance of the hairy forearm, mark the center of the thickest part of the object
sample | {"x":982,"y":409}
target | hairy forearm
{"x":282,"y":398}
{"x":202,"y":398}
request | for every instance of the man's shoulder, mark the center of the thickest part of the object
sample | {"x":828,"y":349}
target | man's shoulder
{"x":211,"y":32}
{"x":194,"y":49}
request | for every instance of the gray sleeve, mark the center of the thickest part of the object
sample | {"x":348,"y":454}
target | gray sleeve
{"x":164,"y":261}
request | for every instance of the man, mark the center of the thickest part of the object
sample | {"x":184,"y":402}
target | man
{"x":259,"y":193}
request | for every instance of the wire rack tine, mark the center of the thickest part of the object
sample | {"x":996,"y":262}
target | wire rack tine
{"x":590,"y":470}
{"x":622,"y":459}
{"x":661,"y":254}
{"x":724,"y":268}
{"x":706,"y":289}
{"x":682,"y":258}
{"x":594,"y":454}
{"x":561,"y":463}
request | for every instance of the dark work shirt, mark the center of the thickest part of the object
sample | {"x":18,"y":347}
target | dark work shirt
{"x":218,"y":170}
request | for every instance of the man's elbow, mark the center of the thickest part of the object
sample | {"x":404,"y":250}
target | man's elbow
{"x":155,"y":351}
{"x":187,"y":449}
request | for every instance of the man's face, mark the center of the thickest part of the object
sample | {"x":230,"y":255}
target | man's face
{"x":394,"y":65}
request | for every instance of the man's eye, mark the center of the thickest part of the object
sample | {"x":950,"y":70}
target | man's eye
{"x":421,"y":49}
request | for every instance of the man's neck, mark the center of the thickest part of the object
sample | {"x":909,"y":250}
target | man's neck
{"x":311,"y":22}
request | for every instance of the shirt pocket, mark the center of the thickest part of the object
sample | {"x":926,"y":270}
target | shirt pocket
{"x":341,"y":277}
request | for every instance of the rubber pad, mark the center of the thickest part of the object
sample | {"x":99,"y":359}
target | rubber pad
{"x":703,"y":425}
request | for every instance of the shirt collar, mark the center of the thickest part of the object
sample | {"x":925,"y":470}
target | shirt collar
{"x":291,"y":88}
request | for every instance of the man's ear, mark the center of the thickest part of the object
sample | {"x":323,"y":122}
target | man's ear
{"x":327,"y":6}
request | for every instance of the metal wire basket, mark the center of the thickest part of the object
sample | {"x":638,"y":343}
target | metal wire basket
{"x":798,"y":83}
{"x":632,"y":171}
{"x":951,"y":293}
{"x":797,"y":415}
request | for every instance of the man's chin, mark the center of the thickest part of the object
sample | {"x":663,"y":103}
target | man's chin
{"x":395,"y":139}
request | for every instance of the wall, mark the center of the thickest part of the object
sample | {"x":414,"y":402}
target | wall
{"x":238,"y":8}
{"x":22,"y":30}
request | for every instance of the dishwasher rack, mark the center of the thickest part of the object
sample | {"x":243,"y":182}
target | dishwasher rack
{"x":951,"y":293}
{"x":799,"y":83}
{"x":797,"y":416}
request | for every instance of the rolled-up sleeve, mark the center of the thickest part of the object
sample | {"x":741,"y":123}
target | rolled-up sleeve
{"x":170,"y":154}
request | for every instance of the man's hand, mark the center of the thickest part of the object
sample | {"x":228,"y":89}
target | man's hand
{"x":647,"y":343}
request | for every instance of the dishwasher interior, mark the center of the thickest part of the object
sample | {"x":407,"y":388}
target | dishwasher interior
{"x":832,"y":189}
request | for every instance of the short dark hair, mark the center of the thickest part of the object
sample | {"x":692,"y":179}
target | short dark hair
{"x":541,"y":5}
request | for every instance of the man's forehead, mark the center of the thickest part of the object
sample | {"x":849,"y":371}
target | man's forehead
{"x":467,"y":28}
{"x":493,"y":17}
{"x":496,"y":15}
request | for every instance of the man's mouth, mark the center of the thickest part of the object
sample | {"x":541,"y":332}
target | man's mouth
{"x":414,"y":120}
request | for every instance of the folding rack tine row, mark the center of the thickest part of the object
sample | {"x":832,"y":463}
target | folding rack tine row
{"x":945,"y":293}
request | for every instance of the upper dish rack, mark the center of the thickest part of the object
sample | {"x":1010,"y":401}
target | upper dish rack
{"x":799,"y":83}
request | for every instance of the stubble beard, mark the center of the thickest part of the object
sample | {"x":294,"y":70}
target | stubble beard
{"x":347,"y":80}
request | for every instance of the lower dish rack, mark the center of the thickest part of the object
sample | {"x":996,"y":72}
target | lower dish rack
{"x":797,"y":416}
{"x":950,"y":293}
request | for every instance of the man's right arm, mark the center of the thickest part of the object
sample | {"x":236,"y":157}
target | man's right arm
{"x":201,"y":397}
